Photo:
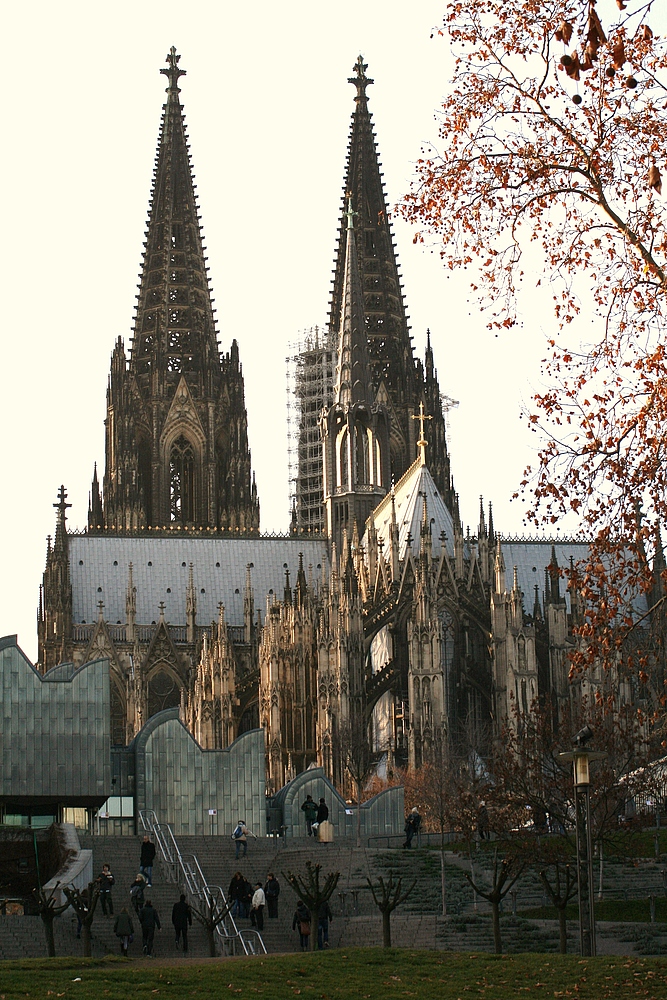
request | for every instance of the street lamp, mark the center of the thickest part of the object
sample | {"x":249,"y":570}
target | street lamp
{"x":581,"y":759}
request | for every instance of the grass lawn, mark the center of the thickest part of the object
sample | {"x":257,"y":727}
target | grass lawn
{"x":345,"y":974}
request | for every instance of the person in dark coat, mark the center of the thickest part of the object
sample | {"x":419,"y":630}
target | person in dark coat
{"x":146,"y":860}
{"x":149,"y":920}
{"x":246,"y":898}
{"x":106,"y":881}
{"x":322,"y":812}
{"x":412,"y":824}
{"x":181,"y":916}
{"x":323,"y":926}
{"x":301,"y":919}
{"x":310,"y":811}
{"x":236,"y":894}
{"x":137,"y":893}
{"x":123,"y":928}
{"x":272,"y":891}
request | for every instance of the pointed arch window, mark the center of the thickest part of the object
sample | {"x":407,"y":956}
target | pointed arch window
{"x":182,"y":480}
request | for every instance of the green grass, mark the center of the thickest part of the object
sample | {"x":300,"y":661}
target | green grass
{"x":609,"y":909}
{"x":345,"y":974}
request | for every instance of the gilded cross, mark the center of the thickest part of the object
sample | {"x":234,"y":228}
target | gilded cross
{"x":422,"y":443}
{"x":173,"y":72}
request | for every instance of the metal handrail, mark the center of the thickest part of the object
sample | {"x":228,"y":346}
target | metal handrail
{"x":185,"y":869}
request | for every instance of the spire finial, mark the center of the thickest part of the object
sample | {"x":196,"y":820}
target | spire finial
{"x":361,"y":81}
{"x":422,"y":443}
{"x":173,"y":72}
{"x":61,"y":506}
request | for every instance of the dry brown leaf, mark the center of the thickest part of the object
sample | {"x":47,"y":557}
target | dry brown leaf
{"x":654,"y":178}
{"x":564,"y":32}
{"x":618,"y":53}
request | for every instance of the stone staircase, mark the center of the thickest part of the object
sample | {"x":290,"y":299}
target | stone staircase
{"x":417,"y":923}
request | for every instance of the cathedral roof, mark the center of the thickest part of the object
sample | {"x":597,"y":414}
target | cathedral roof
{"x":408,"y":496}
{"x":160,"y":570}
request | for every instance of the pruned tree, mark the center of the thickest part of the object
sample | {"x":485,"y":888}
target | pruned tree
{"x":210,"y":912}
{"x":560,"y":885}
{"x":313,"y":893}
{"x":504,"y":874}
{"x":388,"y":896}
{"x":552,"y":141}
{"x":48,"y":911}
{"x":84,"y":902}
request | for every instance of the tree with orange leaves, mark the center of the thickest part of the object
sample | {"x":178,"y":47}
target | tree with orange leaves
{"x":552,"y":142}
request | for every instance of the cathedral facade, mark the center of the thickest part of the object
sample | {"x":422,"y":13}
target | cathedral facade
{"x":380,"y":611}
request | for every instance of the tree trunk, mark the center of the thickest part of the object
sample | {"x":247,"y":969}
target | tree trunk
{"x":386,"y":928}
{"x":210,"y":933}
{"x":314,"y":925}
{"x":442,"y":882}
{"x":47,"y":917}
{"x":358,"y":814}
{"x":85,"y":937}
{"x":495,"y":911}
{"x":562,"y":929}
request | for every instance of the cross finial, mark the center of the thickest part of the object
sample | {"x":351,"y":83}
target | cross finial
{"x":350,"y":213}
{"x":62,"y":497}
{"x":361,"y":81}
{"x":173,"y":72}
{"x":422,"y":443}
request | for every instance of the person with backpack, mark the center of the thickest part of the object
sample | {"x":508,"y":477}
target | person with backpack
{"x":240,"y":837}
{"x":301,"y":919}
{"x":137,"y":893}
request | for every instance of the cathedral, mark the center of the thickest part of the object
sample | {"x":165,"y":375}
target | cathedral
{"x":376,"y":608}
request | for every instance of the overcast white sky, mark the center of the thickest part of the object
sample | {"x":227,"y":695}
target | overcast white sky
{"x":268,"y":108}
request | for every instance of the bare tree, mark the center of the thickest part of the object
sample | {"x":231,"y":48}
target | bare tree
{"x":84,"y":902}
{"x":387,"y":898}
{"x":312,"y":893}
{"x":46,"y":905}
{"x":210,"y":913}
{"x":356,"y":758}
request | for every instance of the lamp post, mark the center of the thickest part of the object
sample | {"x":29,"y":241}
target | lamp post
{"x":581,"y":760}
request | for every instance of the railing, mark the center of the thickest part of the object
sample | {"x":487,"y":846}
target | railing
{"x":184,"y":869}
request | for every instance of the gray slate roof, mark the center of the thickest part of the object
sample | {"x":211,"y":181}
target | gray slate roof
{"x":160,"y":567}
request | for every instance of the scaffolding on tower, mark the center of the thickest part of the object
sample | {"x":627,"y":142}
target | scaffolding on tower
{"x":311,"y":369}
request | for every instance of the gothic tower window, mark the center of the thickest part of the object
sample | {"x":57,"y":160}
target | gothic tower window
{"x":146,"y":478}
{"x":182,"y":480}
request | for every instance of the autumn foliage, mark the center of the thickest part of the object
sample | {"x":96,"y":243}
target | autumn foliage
{"x":549,"y":166}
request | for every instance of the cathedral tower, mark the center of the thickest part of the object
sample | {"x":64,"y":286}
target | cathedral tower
{"x":176,"y":431}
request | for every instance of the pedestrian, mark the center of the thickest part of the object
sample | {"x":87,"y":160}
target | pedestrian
{"x":123,"y":928}
{"x":106,"y":881}
{"x":181,"y":916}
{"x":483,"y":822}
{"x":236,"y":894}
{"x":79,"y":921}
{"x":146,"y":860}
{"x":301,"y":919}
{"x":246,"y":898}
{"x":310,"y":812}
{"x":258,"y":904}
{"x":137,"y":893}
{"x":149,"y":920}
{"x":412,"y":824}
{"x":240,"y":837}
{"x":272,"y":891}
{"x":323,"y":926}
{"x":322,"y":812}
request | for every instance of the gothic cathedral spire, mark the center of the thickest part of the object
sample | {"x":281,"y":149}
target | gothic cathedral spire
{"x":176,"y":438}
{"x":398,"y":378}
